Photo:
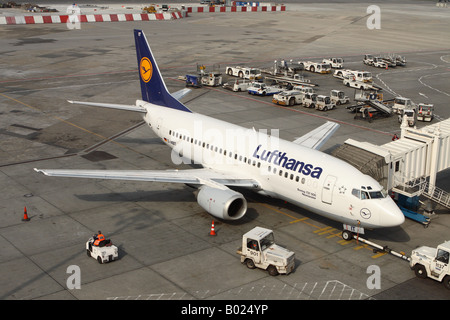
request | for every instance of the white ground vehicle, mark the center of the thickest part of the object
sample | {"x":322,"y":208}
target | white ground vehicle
{"x":104,"y":253}
{"x":363,"y":76}
{"x":212,"y":79}
{"x":338,"y":97}
{"x":244,"y":72}
{"x":238,"y":85}
{"x":304,"y":89}
{"x":317,"y":67}
{"x":259,"y":250}
{"x":400,"y":104}
{"x":324,"y":103}
{"x":288,"y":98}
{"x":379,"y":62}
{"x":408,"y":115}
{"x":309,"y":100}
{"x":357,"y":84}
{"x":432,"y":263}
{"x":425,"y":112}
{"x":368,"y":59}
{"x":262,"y":89}
{"x":337,"y":63}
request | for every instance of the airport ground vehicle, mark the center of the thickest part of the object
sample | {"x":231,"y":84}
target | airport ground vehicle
{"x":317,"y":67}
{"x":105,"y":252}
{"x":238,"y":85}
{"x":368,"y":59}
{"x":432,"y":263}
{"x":338,"y":97}
{"x":288,"y":98}
{"x":363,"y":76}
{"x":337,"y":63}
{"x":261,"y":89}
{"x":425,"y":112}
{"x":309,"y":100}
{"x":379,"y":62}
{"x":324,"y":103}
{"x":244,"y":72}
{"x":357,"y":84}
{"x":211,"y":79}
{"x":410,"y":115}
{"x":259,"y":250}
{"x":400,"y":104}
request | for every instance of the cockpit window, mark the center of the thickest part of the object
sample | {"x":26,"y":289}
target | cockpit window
{"x":363,"y":195}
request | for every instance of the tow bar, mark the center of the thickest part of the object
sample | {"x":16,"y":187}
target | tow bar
{"x":379,"y":248}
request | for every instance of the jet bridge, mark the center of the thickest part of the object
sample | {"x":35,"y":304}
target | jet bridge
{"x":408,"y":165}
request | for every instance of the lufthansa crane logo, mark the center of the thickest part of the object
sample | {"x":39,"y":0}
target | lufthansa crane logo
{"x":365,"y":213}
{"x":145,"y":69}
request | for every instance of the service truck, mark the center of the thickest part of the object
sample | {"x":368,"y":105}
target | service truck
{"x":400,"y":104}
{"x":357,"y":84}
{"x":309,"y":100}
{"x":356,"y":75}
{"x":338,"y":97}
{"x":425,"y":112}
{"x":238,"y":85}
{"x":288,"y":98}
{"x":337,"y":63}
{"x":244,"y":72}
{"x":432,"y":263}
{"x":105,"y":252}
{"x":324,"y":103}
{"x":259,"y":250}
{"x":261,"y":89}
{"x":317,"y":67}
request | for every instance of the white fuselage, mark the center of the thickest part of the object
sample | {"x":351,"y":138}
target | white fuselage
{"x":305,"y":177}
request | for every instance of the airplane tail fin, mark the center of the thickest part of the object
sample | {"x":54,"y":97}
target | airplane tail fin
{"x":153,"y":88}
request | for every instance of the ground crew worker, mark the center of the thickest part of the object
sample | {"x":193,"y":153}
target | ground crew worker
{"x":100,"y":238}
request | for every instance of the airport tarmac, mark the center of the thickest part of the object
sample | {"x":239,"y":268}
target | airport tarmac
{"x":165,"y":249}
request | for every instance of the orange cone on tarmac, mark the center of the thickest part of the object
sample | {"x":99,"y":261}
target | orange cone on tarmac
{"x":25,"y":215}
{"x":213,"y":232}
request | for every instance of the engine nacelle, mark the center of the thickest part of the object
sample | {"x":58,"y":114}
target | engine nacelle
{"x":222,"y":203}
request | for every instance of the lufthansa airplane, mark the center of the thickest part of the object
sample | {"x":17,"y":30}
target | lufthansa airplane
{"x":233,"y":156}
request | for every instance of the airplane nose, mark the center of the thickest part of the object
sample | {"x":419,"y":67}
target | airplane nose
{"x":392,"y":215}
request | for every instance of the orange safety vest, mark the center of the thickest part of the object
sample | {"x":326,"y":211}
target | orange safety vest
{"x":100,"y":238}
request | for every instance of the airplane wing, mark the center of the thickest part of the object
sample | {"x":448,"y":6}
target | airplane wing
{"x":316,"y":138}
{"x":189,"y":176}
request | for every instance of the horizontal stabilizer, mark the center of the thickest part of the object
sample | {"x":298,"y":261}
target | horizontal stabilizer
{"x":111,"y":106}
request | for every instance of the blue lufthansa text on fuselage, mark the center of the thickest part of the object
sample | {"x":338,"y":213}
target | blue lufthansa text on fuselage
{"x":281,"y":159}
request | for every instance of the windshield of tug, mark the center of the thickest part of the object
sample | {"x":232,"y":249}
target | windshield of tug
{"x":364,"y":193}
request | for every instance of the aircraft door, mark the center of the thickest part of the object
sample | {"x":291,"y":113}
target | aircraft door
{"x":327,"y":190}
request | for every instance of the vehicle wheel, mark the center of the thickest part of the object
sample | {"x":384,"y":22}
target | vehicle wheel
{"x":312,"y":106}
{"x":264,"y":93}
{"x":347,"y":235}
{"x":88,"y":252}
{"x":338,"y":103}
{"x":250,"y":264}
{"x":348,"y":84}
{"x":239,"y":90}
{"x":420,"y":271}
{"x":291,"y":101}
{"x":241,"y":75}
{"x":230,"y":72}
{"x":312,"y":69}
{"x":446,"y":282}
{"x":325,"y":108}
{"x":99,"y":259}
{"x":272,"y":270}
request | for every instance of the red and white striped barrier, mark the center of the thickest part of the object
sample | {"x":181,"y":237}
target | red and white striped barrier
{"x":37,"y":19}
{"x":83,"y":18}
{"x":236,"y":9}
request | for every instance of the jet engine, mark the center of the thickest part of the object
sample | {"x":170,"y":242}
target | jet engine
{"x":222,"y":203}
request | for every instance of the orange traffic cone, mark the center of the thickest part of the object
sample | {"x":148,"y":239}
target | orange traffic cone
{"x":212,"y":233}
{"x":25,"y":215}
